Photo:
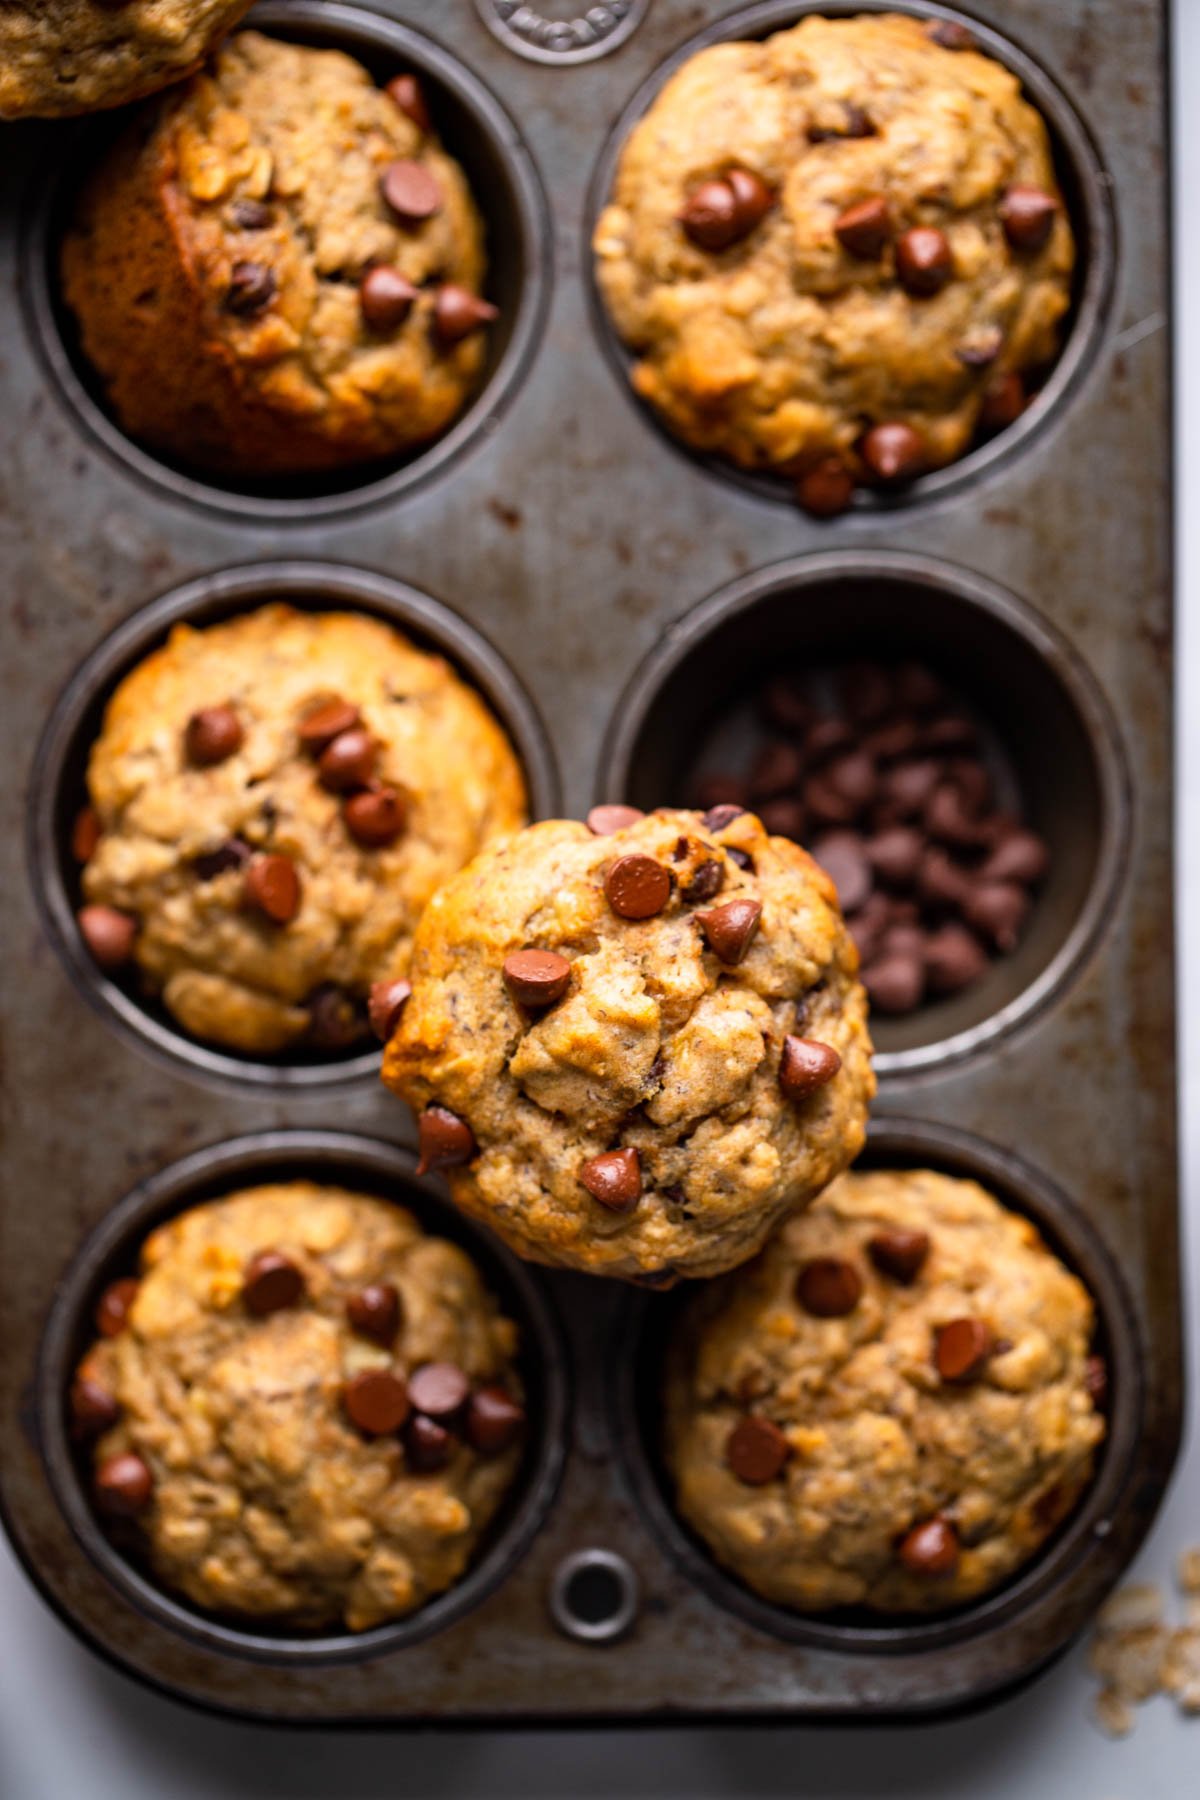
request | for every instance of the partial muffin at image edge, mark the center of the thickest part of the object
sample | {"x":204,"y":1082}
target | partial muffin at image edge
{"x":636,"y":1044}
{"x":839,"y":254}
{"x":278,"y":270}
{"x":893,"y":1408}
{"x":303,"y":1410}
{"x":273,"y":799}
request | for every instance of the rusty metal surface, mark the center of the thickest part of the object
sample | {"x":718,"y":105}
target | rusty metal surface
{"x":572,"y":536}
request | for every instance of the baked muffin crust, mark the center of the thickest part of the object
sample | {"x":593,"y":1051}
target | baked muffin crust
{"x":74,"y":56}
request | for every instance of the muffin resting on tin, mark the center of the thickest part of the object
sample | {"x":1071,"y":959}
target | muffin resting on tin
{"x":893,"y":1407}
{"x":273,"y":800}
{"x":304,"y":1411}
{"x":74,"y":56}
{"x":277,"y":269}
{"x":635,"y":1045}
{"x":837,"y":253}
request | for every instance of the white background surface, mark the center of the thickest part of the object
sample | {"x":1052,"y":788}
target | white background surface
{"x":71,"y":1729}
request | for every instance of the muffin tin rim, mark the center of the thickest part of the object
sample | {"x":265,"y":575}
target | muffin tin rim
{"x":314,"y":585}
{"x":1021,"y":1187}
{"x":226,"y":1166}
{"x":342,"y":26}
{"x":1088,"y":319}
{"x":1059,"y":655}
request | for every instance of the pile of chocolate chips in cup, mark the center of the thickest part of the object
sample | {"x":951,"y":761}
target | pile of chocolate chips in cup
{"x":887,"y":788}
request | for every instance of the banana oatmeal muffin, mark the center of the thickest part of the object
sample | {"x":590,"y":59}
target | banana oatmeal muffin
{"x":893,"y":1407}
{"x":74,"y":56}
{"x":278,"y":268}
{"x":304,"y":1410}
{"x":636,"y":1044}
{"x":273,"y":801}
{"x":838,"y":253}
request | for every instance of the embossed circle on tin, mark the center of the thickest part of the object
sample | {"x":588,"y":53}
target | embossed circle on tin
{"x":562,"y":32}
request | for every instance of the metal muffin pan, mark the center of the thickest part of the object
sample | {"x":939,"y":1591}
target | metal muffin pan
{"x":582,"y":545}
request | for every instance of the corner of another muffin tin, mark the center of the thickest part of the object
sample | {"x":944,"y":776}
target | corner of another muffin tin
{"x":56,"y":784}
{"x":1087,"y":185}
{"x":983,"y":606}
{"x":1034,"y":1612}
{"x":523,"y":245}
{"x":374,"y":1168}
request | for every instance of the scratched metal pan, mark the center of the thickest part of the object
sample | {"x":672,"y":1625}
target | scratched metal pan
{"x":617,"y":598}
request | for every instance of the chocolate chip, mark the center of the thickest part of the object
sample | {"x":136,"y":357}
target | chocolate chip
{"x":968,"y":775}
{"x":376,"y":817}
{"x":124,"y":1486}
{"x":948,"y":818}
{"x":867,"y":692}
{"x":494,"y":1419}
{"x":1027,"y":215}
{"x":272,"y":1282}
{"x":981,"y":351}
{"x":374,"y":1312}
{"x":999,"y":911}
{"x":376,"y":1401}
{"x":428,"y":1446}
{"x":348,"y":761}
{"x":112,"y":1308}
{"x":721,"y":790}
{"x":894,"y":739}
{"x":1095,"y":1379}
{"x":865,"y":229}
{"x":458,"y":313}
{"x":756,"y":1450}
{"x":707,"y":881}
{"x":636,"y":886}
{"x":853,"y":777}
{"x":234,"y":853}
{"x":272,"y":887}
{"x":783,"y":818}
{"x":902,"y":939}
{"x":93,"y":1408}
{"x":826,"y":489}
{"x":385,"y":1004}
{"x":924,"y":261}
{"x":827,"y":738}
{"x":251,"y":215}
{"x":950,"y":730}
{"x":777,"y":769}
{"x":614,"y":1179}
{"x":893,"y":451}
{"x":406,"y":92}
{"x":334,"y":1019}
{"x":85,"y":834}
{"x":895,"y":983}
{"x":930,"y":1548}
{"x":1003,"y":402}
{"x":108,"y":934}
{"x":386,"y":298}
{"x":953,"y":959}
{"x":867,"y":925}
{"x":828,"y":1287}
{"x":961,"y":1349}
{"x":855,"y":122}
{"x":718,"y":818}
{"x":949,"y":34}
{"x":742,"y":859}
{"x":940,"y":881}
{"x":909,"y":785}
{"x":895,"y":854}
{"x":806,"y":1066}
{"x":752,"y":198}
{"x":251,"y":289}
{"x":536,"y":978}
{"x":445,"y":1140}
{"x":710,"y":216}
{"x":211,"y":735}
{"x":412,"y":192}
{"x":729,"y":930}
{"x":1018,"y":856}
{"x":899,"y":1254}
{"x":786,"y":705}
{"x":841,"y":855}
{"x":439,"y":1390}
{"x":326,"y":721}
{"x":604,"y":821}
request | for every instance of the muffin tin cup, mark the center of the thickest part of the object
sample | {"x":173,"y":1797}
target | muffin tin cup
{"x":57,"y":787}
{"x":1022,"y":1605}
{"x":363,"y":1165}
{"x":505,"y":184}
{"x":1086,"y":188}
{"x":994,"y":650}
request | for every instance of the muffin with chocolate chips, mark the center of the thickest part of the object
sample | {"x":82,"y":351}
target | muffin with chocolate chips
{"x":305,"y":1410}
{"x":59,"y":57}
{"x":273,"y":800}
{"x":278,"y":269}
{"x":893,"y":1407}
{"x":635,"y":1045}
{"x":838,"y":254}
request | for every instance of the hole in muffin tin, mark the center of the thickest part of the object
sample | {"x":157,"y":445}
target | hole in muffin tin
{"x":1018,"y":1605}
{"x":477,"y":132}
{"x":1085,"y":186}
{"x":365,"y":1166}
{"x":57,"y":786}
{"x":1002,"y":658}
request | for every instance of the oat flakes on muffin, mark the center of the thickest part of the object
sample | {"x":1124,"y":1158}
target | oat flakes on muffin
{"x":305,"y":1409}
{"x":893,"y":1407}
{"x":635,"y":1045}
{"x":278,"y":269}
{"x":838,"y":253}
{"x":273,"y":800}
{"x":59,"y":57}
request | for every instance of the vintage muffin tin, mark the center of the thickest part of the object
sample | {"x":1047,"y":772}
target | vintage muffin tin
{"x":561,"y":550}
